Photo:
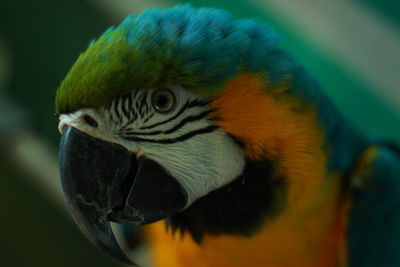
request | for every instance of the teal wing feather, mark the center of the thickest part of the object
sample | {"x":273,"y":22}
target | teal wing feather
{"x":374,"y":216}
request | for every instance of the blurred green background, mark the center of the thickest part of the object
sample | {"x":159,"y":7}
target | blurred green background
{"x":352,"y":47}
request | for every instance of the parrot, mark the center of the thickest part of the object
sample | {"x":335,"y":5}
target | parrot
{"x":201,"y":130}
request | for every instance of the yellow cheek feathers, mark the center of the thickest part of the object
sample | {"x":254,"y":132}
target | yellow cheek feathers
{"x":269,"y":122}
{"x":263,"y":117}
{"x":244,"y":110}
{"x":278,"y":125}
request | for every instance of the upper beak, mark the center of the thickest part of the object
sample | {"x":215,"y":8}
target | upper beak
{"x":103,"y":181}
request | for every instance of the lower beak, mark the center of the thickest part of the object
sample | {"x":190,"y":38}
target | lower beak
{"x":104,"y":182}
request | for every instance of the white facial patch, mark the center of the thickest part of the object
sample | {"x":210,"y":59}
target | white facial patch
{"x":201,"y":164}
{"x":199,"y":155}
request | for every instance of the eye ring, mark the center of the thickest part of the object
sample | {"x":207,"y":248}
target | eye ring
{"x":163,"y":101}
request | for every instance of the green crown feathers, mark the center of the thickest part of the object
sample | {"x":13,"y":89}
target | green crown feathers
{"x":198,"y":49}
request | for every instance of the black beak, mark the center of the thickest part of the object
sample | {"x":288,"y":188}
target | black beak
{"x":104,"y":182}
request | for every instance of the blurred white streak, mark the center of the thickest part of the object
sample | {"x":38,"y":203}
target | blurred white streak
{"x":39,"y":162}
{"x":29,"y":154}
{"x":358,"y":39}
{"x":119,"y":9}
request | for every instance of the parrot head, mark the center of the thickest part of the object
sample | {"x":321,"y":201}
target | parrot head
{"x":159,"y":112}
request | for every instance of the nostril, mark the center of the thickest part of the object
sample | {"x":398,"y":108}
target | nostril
{"x":89,"y":120}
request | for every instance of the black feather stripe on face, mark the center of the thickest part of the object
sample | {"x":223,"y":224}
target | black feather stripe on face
{"x":239,"y":208}
{"x":129,"y":108}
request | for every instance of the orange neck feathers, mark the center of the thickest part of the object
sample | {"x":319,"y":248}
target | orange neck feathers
{"x":277,"y":125}
{"x":273,"y":124}
{"x":309,"y":231}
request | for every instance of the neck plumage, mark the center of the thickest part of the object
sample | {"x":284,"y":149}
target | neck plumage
{"x":287,"y":197}
{"x":286,"y":172}
{"x":239,"y":208}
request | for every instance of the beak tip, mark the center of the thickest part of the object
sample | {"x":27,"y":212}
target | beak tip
{"x":105,"y":241}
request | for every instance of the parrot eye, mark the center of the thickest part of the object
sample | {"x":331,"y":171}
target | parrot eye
{"x":163,"y":101}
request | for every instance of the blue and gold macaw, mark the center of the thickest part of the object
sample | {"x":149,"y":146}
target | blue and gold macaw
{"x":201,"y":128}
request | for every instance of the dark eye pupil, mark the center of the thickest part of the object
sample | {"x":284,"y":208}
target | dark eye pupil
{"x":89,"y":120}
{"x":162,"y":101}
